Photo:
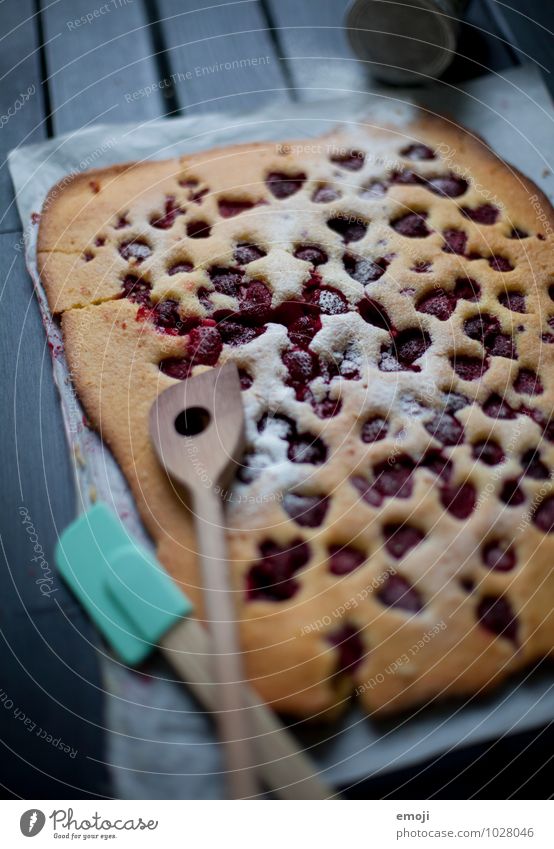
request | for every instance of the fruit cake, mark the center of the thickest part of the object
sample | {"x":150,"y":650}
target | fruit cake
{"x":387,"y":295}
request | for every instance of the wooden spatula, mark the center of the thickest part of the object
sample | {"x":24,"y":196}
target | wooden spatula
{"x":197,"y":428}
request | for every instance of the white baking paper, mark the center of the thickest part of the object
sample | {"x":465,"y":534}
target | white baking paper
{"x":160,"y":744}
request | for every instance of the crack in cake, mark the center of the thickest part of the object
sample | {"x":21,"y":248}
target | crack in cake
{"x":387,"y":296}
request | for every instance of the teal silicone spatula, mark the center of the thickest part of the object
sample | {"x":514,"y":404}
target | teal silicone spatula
{"x":139,"y":609}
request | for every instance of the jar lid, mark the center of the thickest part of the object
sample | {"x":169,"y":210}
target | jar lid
{"x":404,"y":42}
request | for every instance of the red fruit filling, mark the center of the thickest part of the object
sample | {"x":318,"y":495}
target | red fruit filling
{"x":422,"y":266}
{"x":455,"y":241}
{"x":454,"y":401}
{"x":374,"y":429}
{"x":328,"y":300}
{"x":135,"y":249}
{"x":196,"y":197}
{"x":204,"y":298}
{"x":410,"y":345}
{"x":325,"y":194}
{"x":533,"y":467}
{"x":271,"y":578}
{"x":324,"y":408}
{"x":399,"y":539}
{"x":528,"y":383}
{"x":302,"y":366}
{"x":439,"y":303}
{"x":255,"y":301}
{"x":246,"y":379}
{"x":459,"y":500}
{"x":485,"y":328}
{"x":544,"y":515}
{"x":228,"y":207}
{"x":488,"y":452}
{"x":437,"y":463}
{"x":283,"y":185}
{"x":412,"y":225}
{"x":417,"y":152}
{"x":449,"y":186}
{"x":309,"y":511}
{"x":167,"y":317}
{"x":348,"y":368}
{"x":469,"y":368}
{"x":343,"y":559}
{"x":487,"y":213}
{"x":394,"y":478}
{"x":364,"y":271}
{"x":503,"y":346}
{"x":498,"y":556}
{"x":349,"y":646}
{"x":367,"y":491}
{"x":167,"y":219}
{"x":514,"y":301}
{"x":277,"y":425}
{"x":136,"y":290}
{"x":198,"y":229}
{"x":373,"y":189}
{"x":497,"y":408}
{"x":500,"y":263}
{"x":511,"y":493}
{"x":303,"y":329}
{"x":177,"y":367}
{"x":204,"y":346}
{"x":374,"y":313}
{"x":350,"y":229}
{"x":518,"y":233}
{"x":495,"y":614}
{"x":397,"y":592}
{"x":312,"y":254}
{"x":180,"y":267}
{"x":307,"y":448}
{"x":405,"y":177}
{"x":245,"y":253}
{"x":226,"y":280}
{"x":446,"y":428}
{"x":352,"y":160}
{"x":121,"y":222}
{"x":234,"y":333}
{"x":467,"y":289}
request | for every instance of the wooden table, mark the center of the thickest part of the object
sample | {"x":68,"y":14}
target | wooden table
{"x":71,"y":63}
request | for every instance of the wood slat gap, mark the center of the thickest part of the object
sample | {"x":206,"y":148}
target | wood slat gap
{"x":159,"y":55}
{"x":45,"y":92}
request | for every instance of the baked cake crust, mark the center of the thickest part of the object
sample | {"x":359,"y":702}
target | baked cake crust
{"x":386,"y":294}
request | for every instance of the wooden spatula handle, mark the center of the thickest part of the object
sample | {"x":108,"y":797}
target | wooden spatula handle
{"x":283,"y":767}
{"x":231,"y":715}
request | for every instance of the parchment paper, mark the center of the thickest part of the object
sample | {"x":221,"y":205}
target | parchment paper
{"x":160,"y":745}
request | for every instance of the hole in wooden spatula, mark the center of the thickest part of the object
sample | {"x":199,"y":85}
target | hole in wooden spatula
{"x":193,"y":421}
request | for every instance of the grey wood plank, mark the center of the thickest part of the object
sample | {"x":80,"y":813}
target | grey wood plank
{"x":100,"y":68}
{"x":313,"y":41}
{"x":21,"y":102}
{"x":48,"y":665}
{"x":222,"y":55}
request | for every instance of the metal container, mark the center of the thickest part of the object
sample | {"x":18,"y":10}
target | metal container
{"x":405,"y":41}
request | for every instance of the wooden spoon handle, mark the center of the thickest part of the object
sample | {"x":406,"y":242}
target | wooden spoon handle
{"x":231,"y":715}
{"x":284,"y":767}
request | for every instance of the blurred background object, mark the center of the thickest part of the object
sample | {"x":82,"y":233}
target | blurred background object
{"x":405,"y":42}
